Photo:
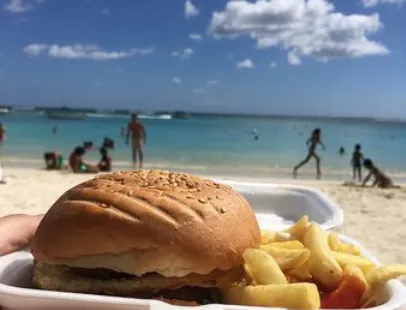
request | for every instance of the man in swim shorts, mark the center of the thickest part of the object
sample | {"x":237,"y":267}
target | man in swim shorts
{"x":138,"y":138}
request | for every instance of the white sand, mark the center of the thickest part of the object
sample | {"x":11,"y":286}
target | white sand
{"x":376,"y":218}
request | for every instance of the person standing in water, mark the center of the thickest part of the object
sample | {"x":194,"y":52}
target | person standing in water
{"x":3,"y":132}
{"x":356,"y":162}
{"x":138,"y":138}
{"x":312,"y":143}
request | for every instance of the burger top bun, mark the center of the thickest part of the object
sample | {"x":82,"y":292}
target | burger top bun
{"x":140,"y":222}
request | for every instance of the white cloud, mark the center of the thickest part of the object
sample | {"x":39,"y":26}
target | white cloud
{"x":17,"y":6}
{"x":105,"y":11}
{"x":80,"y":51}
{"x":35,"y":49}
{"x":195,"y":37}
{"x":185,"y":54}
{"x":144,"y":51}
{"x":293,"y":59}
{"x":83,"y":51}
{"x":199,"y":91}
{"x":303,"y":28}
{"x":177,"y":80}
{"x":372,"y":3}
{"x":212,"y":82}
{"x":245,"y":64}
{"x":272,"y":65}
{"x":190,"y":9}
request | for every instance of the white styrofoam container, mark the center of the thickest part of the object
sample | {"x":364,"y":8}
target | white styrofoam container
{"x":276,"y":207}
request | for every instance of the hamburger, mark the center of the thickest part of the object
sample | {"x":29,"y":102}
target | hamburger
{"x":145,"y":234}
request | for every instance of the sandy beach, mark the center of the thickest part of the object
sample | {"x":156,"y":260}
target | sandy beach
{"x":374,"y":217}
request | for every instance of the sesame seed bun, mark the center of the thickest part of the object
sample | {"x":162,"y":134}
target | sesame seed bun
{"x":147,"y":221}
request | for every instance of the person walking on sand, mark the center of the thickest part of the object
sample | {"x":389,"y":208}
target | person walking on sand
{"x":356,"y":162}
{"x":138,"y":139}
{"x":312,"y":143}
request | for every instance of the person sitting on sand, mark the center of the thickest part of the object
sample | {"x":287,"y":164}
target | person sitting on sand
{"x":76,"y":162}
{"x":105,"y":160}
{"x":381,"y":180}
{"x":108,"y":143}
{"x":312,"y":142}
{"x":356,"y":162}
{"x":53,"y":160}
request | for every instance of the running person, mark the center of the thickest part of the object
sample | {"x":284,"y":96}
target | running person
{"x":312,"y":143}
{"x":138,"y":138}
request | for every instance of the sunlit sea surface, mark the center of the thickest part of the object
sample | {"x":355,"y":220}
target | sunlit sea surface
{"x":216,"y":145}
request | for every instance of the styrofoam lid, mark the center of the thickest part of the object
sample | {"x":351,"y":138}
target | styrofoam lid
{"x":279,"y":206}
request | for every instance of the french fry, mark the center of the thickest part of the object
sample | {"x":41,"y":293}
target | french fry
{"x":283,"y":237}
{"x":370,"y":301}
{"x":378,"y":277}
{"x":323,"y":266}
{"x":263,"y":267}
{"x":338,"y":246}
{"x":381,"y":275}
{"x":299,"y":228}
{"x":290,"y":245}
{"x":301,"y":273}
{"x":333,"y":241}
{"x":349,"y":292}
{"x":287,"y":259}
{"x":267,"y":236}
{"x":344,"y":259}
{"x":292,"y":296}
{"x":248,"y":272}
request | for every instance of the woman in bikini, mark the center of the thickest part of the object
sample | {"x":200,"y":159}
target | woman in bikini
{"x":312,"y":143}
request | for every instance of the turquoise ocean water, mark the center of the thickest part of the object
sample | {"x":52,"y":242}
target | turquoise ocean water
{"x":224,"y":144}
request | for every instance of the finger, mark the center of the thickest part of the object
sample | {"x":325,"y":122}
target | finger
{"x":16,"y":231}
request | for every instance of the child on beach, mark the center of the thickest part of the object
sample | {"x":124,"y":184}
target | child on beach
{"x":76,"y":162}
{"x":381,"y":180}
{"x":105,"y":160}
{"x":356,"y":162}
{"x":53,"y":160}
{"x":312,"y":143}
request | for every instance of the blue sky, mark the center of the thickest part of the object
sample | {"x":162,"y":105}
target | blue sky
{"x":315,"y":57}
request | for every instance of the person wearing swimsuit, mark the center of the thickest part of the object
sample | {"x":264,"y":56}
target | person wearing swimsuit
{"x":105,"y":160}
{"x":381,"y":180}
{"x":138,"y":138}
{"x":312,"y":142}
{"x":356,"y":162}
{"x":3,"y":132}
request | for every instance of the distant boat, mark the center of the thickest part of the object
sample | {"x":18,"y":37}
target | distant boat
{"x":66,"y":115}
{"x":155,"y":116}
{"x":5,"y":111}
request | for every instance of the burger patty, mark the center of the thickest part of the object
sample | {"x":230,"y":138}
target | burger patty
{"x":193,"y":287}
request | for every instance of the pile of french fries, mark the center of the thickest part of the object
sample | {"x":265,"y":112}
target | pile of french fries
{"x":305,"y":267}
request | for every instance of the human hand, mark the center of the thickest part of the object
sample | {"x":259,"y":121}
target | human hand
{"x":16,"y":231}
